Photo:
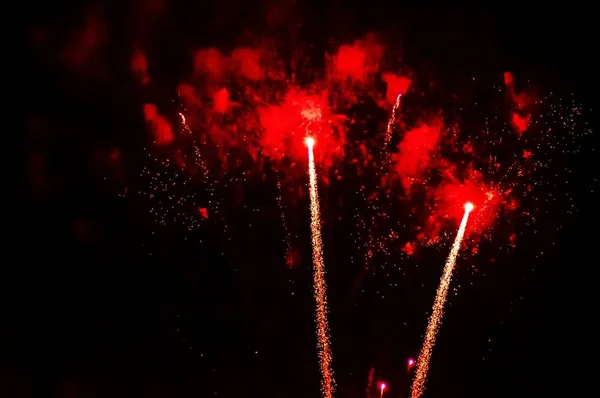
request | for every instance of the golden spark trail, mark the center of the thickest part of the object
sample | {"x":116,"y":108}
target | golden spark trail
{"x":320,"y":286}
{"x":390,"y":129}
{"x":422,"y":368}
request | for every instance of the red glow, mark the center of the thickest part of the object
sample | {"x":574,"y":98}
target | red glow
{"x":203,"y":212}
{"x":454,"y":197}
{"x":221,"y":100}
{"x":382,"y":386}
{"x":163,"y":134}
{"x":358,"y":61}
{"x":301,"y":114}
{"x":247,"y":63}
{"x":209,"y":61}
{"x":395,"y":85}
{"x":351,"y":62}
{"x":416,"y":152}
{"x":85,"y":43}
{"x":520,"y":123}
{"x":187,"y":93}
{"x":522,"y":104}
{"x":139,"y":66}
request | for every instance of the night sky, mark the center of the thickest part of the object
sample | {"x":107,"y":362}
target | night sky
{"x":104,"y":301}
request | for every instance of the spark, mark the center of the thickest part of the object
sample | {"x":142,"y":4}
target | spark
{"x":320,"y":286}
{"x":435,"y":320}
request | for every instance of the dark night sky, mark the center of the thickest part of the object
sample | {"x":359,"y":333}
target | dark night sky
{"x":137,"y":310}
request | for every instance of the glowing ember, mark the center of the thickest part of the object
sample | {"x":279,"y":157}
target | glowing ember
{"x":438,"y":310}
{"x":320,"y":286}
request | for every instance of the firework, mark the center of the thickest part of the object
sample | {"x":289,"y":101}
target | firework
{"x":441,"y":159}
{"x":438,"y":309}
{"x":320,"y":285}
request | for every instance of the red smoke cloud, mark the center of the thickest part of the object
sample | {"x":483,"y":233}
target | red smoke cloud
{"x":85,"y":49}
{"x":247,"y":63}
{"x":520,"y":116}
{"x":139,"y":66}
{"x":416,"y":151}
{"x":221,"y":101}
{"x":210,"y":61}
{"x":301,"y":115}
{"x":244,"y":63}
{"x":357,"y":61}
{"x":163,"y":135}
{"x":395,"y":85}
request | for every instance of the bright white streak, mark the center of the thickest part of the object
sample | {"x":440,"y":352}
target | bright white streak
{"x":320,"y":286}
{"x":435,"y":320}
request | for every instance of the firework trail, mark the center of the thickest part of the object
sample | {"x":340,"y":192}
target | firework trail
{"x":320,"y":286}
{"x":418,"y":386}
{"x":389,"y":131}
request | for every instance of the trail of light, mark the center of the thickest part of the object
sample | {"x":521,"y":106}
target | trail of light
{"x":389,"y":131}
{"x":435,"y":320}
{"x":320,"y":286}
